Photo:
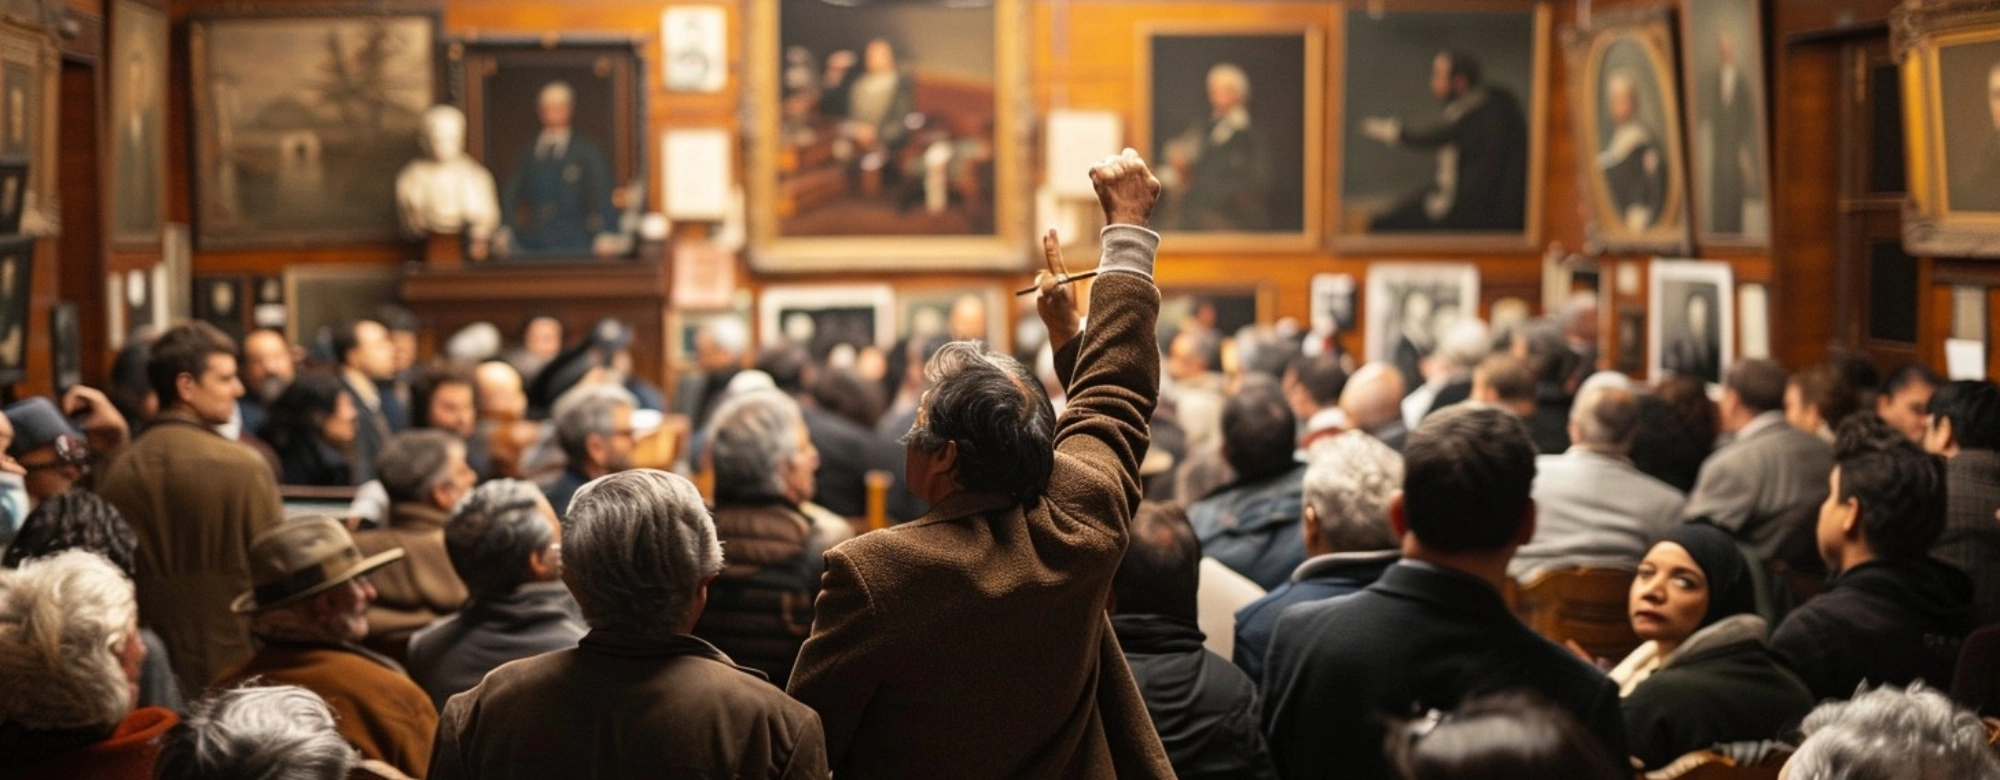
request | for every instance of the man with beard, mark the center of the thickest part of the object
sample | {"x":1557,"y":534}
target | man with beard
{"x":1481,"y":143}
{"x":268,"y":368}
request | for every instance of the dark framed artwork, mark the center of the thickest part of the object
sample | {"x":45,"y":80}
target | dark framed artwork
{"x":65,"y":346}
{"x":1626,"y":95}
{"x":1222,"y":309}
{"x":887,"y":136}
{"x":1722,"y":47}
{"x":302,"y":120}
{"x":17,"y":265}
{"x":1950,"y":55}
{"x":560,"y":127}
{"x":1693,"y":329}
{"x":13,"y":195}
{"x":821,"y":317}
{"x":219,"y":300}
{"x":29,"y":68}
{"x":1231,"y":119}
{"x":1411,"y":307}
{"x":957,"y":311}
{"x":267,"y":309}
{"x":1443,"y":130}
{"x":325,"y":295}
{"x":138,"y":74}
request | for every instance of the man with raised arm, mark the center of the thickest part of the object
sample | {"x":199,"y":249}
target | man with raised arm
{"x":973,"y":642}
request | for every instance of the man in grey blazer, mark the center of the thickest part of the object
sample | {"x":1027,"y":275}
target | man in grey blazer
{"x":1594,"y":508}
{"x":1770,"y":477}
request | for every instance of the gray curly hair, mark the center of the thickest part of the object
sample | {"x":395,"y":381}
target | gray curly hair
{"x":1349,"y":479}
{"x":64,"y":623}
{"x":1892,"y":733}
{"x":636,"y":545}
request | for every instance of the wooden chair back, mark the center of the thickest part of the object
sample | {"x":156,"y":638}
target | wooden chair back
{"x":1584,"y":605}
{"x":1710,"y":765}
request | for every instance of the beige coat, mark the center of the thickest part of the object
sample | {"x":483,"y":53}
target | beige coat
{"x":195,"y":500}
{"x":416,"y":590}
{"x":972,"y":643}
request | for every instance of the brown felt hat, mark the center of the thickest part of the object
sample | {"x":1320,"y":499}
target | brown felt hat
{"x":302,"y":558}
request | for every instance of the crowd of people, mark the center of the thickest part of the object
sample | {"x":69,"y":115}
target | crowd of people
{"x":1142,"y":555}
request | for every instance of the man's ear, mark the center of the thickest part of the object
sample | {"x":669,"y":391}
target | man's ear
{"x":1309,"y":524}
{"x":1851,"y":527}
{"x":697,"y":604}
{"x":184,"y":387}
{"x":1526,"y":533}
{"x":1397,"y":521}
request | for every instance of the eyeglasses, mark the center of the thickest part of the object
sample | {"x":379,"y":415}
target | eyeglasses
{"x":70,"y":451}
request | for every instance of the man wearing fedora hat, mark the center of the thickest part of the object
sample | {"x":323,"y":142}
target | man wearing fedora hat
{"x":308,"y":608}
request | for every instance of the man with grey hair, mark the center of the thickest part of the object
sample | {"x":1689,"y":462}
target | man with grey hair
{"x":1595,"y":508}
{"x":1891,"y":734}
{"x":505,"y":543}
{"x":282,"y":731}
{"x":425,"y":475}
{"x":1345,"y":521}
{"x":640,"y":552}
{"x":594,"y":428}
{"x":760,"y":608}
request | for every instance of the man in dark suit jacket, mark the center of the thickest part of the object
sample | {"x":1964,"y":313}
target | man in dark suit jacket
{"x":1433,"y":630}
{"x":559,"y":196}
{"x":1482,"y":184}
{"x":1965,"y":428}
{"x":974,"y":641}
{"x":367,"y":371}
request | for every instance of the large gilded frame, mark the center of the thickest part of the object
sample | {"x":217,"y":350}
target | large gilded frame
{"x":1921,"y":30}
{"x":1652,"y":29}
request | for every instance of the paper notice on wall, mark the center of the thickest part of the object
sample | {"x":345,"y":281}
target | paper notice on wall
{"x":704,"y":276}
{"x":698,"y":179}
{"x":1755,"y":306}
{"x":1965,"y":359}
{"x":1077,"y":141}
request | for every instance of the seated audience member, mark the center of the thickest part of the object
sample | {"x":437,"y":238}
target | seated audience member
{"x":1704,"y":675}
{"x":1893,"y":734}
{"x":309,"y":611}
{"x":312,"y":426}
{"x":760,"y":607}
{"x":1345,"y":523}
{"x":503,"y":429}
{"x":975,"y":638}
{"x":1251,"y":524}
{"x":48,"y":446}
{"x":1372,"y":402}
{"x":639,"y":553}
{"x":442,"y":399}
{"x":1762,"y":485}
{"x":425,"y":475}
{"x":1965,"y":429}
{"x":1503,"y":735}
{"x":721,"y":346}
{"x":1459,"y":353}
{"x":1593,"y":508}
{"x":402,"y":325}
{"x":1205,"y":710}
{"x":505,"y":543}
{"x":70,"y":654}
{"x":80,"y":520}
{"x":269,"y":364}
{"x":844,"y":393}
{"x":541,"y":341}
{"x":848,"y":450}
{"x":1818,"y":399}
{"x":130,"y":389}
{"x":1557,"y":370}
{"x":1312,"y":386}
{"x":367,"y":374}
{"x":1892,"y":615}
{"x":595,"y":430}
{"x":1505,"y":381}
{"x":1905,"y":397}
{"x":280,"y":731}
{"x":1677,"y":430}
{"x":1434,"y":629}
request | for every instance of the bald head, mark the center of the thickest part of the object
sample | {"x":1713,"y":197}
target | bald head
{"x":1604,"y":419}
{"x":499,"y":391}
{"x":1373,"y":396}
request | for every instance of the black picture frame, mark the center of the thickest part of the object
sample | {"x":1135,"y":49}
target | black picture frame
{"x":65,"y":346}
{"x":17,"y":267}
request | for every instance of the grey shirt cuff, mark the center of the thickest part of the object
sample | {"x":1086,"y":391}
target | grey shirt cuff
{"x":1128,"y":249}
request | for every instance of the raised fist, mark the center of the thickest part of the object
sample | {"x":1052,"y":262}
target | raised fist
{"x":1126,"y":189}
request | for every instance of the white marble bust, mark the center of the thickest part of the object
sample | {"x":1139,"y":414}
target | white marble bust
{"x":447,"y":191}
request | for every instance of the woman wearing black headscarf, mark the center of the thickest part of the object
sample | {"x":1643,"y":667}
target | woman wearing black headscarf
{"x":1704,"y":675}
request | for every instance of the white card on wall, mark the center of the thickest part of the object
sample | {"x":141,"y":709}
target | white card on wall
{"x":695,"y":40}
{"x":698,"y":179}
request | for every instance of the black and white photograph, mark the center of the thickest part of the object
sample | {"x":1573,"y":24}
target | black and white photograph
{"x":1411,"y":306}
{"x":696,"y":41}
{"x":956,"y":312}
{"x":822,"y":317}
{"x":1442,"y":130}
{"x":1723,"y":56}
{"x":1693,"y":327}
{"x":1628,"y":112}
{"x":1232,"y":118}
{"x":17,"y":264}
{"x":219,"y":301}
{"x":65,"y":346}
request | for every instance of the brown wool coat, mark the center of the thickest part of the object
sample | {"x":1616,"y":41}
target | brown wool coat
{"x":383,"y":714}
{"x":195,"y":500}
{"x":416,"y":590}
{"x":972,"y":643}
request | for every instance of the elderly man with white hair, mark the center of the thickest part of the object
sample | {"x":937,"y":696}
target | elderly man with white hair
{"x":639,"y":553}
{"x":1373,"y":402}
{"x":1892,"y":734}
{"x":1593,"y":507}
{"x":70,"y":654}
{"x":282,"y":731}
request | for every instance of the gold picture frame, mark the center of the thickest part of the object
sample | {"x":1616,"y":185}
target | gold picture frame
{"x":1226,"y":43}
{"x":30,"y":67}
{"x":1941,"y":47}
{"x":1646,"y":210}
{"x":987,"y":185}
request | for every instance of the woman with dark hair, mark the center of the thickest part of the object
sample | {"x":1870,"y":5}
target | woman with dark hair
{"x":311,"y":426}
{"x":1499,"y":737}
{"x":1704,"y":675}
{"x":1677,"y":430}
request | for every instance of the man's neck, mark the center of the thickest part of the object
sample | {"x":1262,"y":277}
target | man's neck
{"x":1489,"y":566}
{"x":1854,"y":555}
{"x":185,"y":413}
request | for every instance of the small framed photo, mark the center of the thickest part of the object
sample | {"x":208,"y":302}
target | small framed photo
{"x":65,"y":346}
{"x":1224,"y":309}
{"x":821,"y":317}
{"x":13,"y":195}
{"x":1693,"y":328}
{"x":17,"y":265}
{"x":219,"y":300}
{"x":695,"y":39}
{"x":1411,"y":306}
{"x":957,"y":311}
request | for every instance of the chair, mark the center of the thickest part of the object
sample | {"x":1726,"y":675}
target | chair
{"x":1584,"y":605}
{"x":1976,"y":684}
{"x":1710,"y":765}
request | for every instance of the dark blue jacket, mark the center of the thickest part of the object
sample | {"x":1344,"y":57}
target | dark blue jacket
{"x":1253,"y":527}
{"x":1318,"y":579}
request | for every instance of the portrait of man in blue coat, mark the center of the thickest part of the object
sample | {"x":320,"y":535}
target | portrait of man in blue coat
{"x":558,"y":199}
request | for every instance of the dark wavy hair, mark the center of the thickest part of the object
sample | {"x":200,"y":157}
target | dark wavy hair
{"x":999,"y":415}
{"x":296,"y":416}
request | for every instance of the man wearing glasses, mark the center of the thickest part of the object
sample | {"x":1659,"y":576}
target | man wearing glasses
{"x":50,"y":446}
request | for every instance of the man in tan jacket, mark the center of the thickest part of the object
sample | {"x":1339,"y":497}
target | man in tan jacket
{"x":195,"y":500}
{"x":425,"y":475}
{"x":973,"y":642}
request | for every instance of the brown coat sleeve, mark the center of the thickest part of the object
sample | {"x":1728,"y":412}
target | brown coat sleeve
{"x":841,"y":664}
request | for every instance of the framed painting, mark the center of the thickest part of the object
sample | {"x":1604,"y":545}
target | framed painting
{"x":138,"y":75}
{"x":1693,"y":327}
{"x":560,"y":127}
{"x":219,"y":300}
{"x":1230,"y":118}
{"x":1411,"y":306}
{"x":29,"y":68}
{"x":302,"y":119}
{"x":957,"y":311}
{"x":1722,"y":43}
{"x":1627,"y":104}
{"x":65,"y":346}
{"x":888,"y":136}
{"x":1950,"y":55}
{"x":1443,"y":131}
{"x":17,"y":265}
{"x":324,"y":295}
{"x":1223,"y":309}
{"x":821,"y":317}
